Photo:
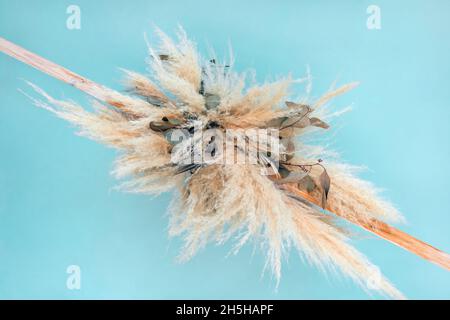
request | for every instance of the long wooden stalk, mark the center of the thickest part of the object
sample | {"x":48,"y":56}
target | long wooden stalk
{"x":92,"y":88}
{"x":105,"y":94}
{"x":387,"y":232}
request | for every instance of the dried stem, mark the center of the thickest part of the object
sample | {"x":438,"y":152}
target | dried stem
{"x":93,"y":89}
{"x":389,"y":233}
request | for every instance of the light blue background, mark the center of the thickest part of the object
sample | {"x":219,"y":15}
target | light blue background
{"x":57,"y":206}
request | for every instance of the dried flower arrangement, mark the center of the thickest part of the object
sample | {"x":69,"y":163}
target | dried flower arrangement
{"x":282,"y":199}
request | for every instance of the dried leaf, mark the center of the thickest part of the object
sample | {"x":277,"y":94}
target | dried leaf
{"x":283,"y":171}
{"x":174,"y":121}
{"x":156,"y":101}
{"x":287,"y":132}
{"x":295,"y":109}
{"x":302,"y":107}
{"x":292,"y":177}
{"x":276,"y":122}
{"x":166,"y":123}
{"x":189,"y":167}
{"x":325,"y":184}
{"x":296,"y":122}
{"x":307,"y":183}
{"x":160,"y":126}
{"x":298,"y":117}
{"x":289,"y":147}
{"x":316,"y":122}
{"x":211,"y":101}
{"x":291,"y":104}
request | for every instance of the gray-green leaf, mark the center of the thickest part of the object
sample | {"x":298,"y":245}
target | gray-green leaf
{"x":211,"y":101}
{"x":289,"y":147}
{"x":307,"y":183}
{"x":283,"y":171}
{"x":325,"y":184}
{"x":316,"y":122}
{"x":276,"y":122}
{"x":293,"y":177}
{"x":296,"y":122}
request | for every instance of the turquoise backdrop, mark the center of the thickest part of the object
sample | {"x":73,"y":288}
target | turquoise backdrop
{"x":57,"y":202}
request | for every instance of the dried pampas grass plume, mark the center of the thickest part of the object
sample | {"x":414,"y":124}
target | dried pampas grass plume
{"x":275,"y":198}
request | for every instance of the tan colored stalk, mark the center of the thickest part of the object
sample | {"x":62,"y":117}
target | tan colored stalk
{"x":389,"y":233}
{"x":93,"y":89}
